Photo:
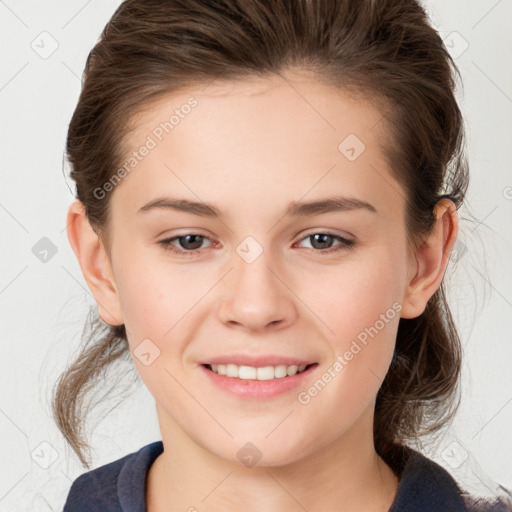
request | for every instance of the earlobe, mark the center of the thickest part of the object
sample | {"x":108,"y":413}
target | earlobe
{"x":432,"y":258}
{"x":94,"y":262}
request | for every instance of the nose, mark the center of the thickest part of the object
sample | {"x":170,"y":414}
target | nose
{"x":255,"y":296}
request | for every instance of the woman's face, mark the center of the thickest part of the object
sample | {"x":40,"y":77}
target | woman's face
{"x":268,"y":282}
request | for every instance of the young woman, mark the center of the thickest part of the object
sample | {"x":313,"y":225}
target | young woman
{"x":267,"y":197}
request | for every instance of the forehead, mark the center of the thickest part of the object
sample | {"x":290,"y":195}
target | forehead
{"x":279,"y":136}
{"x":253,"y":102}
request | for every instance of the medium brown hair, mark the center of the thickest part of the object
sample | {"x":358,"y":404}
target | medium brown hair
{"x":383,"y":50}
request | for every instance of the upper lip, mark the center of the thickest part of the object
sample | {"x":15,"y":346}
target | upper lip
{"x":257,"y":361}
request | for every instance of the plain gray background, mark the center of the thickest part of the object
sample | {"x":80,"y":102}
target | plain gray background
{"x":44,"y":303}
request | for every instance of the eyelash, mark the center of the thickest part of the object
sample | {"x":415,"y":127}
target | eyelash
{"x":345,"y":244}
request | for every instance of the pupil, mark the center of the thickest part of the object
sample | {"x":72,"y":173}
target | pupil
{"x":198,"y":244}
{"x":321,"y":235}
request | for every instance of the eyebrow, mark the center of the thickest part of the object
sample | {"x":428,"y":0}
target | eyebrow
{"x":295,"y":209}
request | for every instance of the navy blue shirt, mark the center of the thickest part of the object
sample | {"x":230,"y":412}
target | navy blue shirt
{"x":120,"y":486}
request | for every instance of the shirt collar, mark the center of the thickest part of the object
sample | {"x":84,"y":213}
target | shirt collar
{"x":424,"y":485}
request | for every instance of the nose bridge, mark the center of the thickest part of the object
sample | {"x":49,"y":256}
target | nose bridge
{"x":255,"y":296}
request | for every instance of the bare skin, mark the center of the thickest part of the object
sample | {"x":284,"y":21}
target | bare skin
{"x":251,"y":149}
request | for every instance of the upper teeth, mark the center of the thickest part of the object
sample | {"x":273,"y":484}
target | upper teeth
{"x":250,"y":372}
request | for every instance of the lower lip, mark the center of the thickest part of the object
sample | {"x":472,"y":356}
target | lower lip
{"x":249,"y":388}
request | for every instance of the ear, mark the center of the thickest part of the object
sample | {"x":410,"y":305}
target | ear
{"x":94,"y":262}
{"x":431,"y":259}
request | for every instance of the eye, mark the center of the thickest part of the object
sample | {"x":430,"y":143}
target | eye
{"x":191,"y":243}
{"x":188,"y":241}
{"x":320,"y":240}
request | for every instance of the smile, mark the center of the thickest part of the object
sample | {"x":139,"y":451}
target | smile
{"x":258,"y":382}
{"x":256,"y":373}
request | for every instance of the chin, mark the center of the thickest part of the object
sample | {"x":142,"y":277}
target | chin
{"x":256,"y":451}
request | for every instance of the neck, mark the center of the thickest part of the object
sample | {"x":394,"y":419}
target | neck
{"x":346,"y":475}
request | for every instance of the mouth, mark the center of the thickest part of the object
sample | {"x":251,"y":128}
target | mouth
{"x":259,"y":373}
{"x":258,"y":382}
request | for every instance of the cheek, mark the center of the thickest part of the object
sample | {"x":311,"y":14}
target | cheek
{"x":361,"y":309}
{"x":155,"y":295}
{"x":357,"y":294}
{"x":157,"y":301}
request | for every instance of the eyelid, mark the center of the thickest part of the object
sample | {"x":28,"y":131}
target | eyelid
{"x":345,"y":243}
{"x":313,"y":231}
{"x":328,"y":231}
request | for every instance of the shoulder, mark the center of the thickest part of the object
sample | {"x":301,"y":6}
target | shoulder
{"x":425,"y":486}
{"x":497,"y":504}
{"x":114,"y":486}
